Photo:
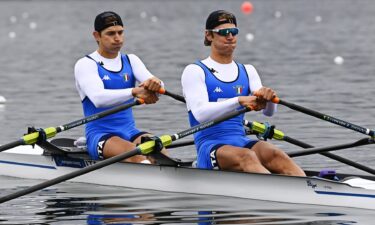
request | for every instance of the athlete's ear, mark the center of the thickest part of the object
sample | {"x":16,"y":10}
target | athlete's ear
{"x":209,"y":35}
{"x":96,"y":35}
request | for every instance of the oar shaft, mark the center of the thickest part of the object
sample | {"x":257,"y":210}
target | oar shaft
{"x":68,"y":176}
{"x":328,"y":118}
{"x":180,"y":144}
{"x":144,"y":149}
{"x":297,"y":142}
{"x":99,"y":115}
{"x":331,"y":155}
{"x":173,"y":95}
{"x":202,"y":125}
{"x":32,"y":138}
{"x":11,"y":145}
{"x":207,"y":124}
{"x":277,"y":134}
{"x":364,"y":141}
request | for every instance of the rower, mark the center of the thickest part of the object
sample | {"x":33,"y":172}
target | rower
{"x":218,"y":85}
{"x":106,"y":78}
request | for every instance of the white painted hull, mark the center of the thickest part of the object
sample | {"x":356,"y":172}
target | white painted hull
{"x":278,"y":188}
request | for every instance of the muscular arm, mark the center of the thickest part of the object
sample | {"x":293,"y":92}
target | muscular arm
{"x":195,"y":93}
{"x":90,"y":85}
{"x":140,"y":71}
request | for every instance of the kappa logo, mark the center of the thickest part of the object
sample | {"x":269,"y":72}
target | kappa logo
{"x":106,"y":77}
{"x":218,"y":90}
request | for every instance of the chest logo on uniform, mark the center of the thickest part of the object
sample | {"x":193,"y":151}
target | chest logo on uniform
{"x":106,"y":77}
{"x":126,"y":77}
{"x":218,"y":90}
{"x":238,"y":89}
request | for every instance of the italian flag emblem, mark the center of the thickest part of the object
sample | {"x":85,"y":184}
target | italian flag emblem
{"x":126,"y":77}
{"x":238,"y":89}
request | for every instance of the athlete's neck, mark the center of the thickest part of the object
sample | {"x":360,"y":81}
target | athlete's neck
{"x":222,"y":59}
{"x":108,"y":55}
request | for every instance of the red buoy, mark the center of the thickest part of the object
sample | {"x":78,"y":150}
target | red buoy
{"x":247,"y":7}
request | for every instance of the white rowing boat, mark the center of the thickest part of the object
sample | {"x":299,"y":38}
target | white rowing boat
{"x":279,"y":188}
{"x":173,"y":176}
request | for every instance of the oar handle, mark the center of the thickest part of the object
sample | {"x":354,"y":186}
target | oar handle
{"x":162,"y":91}
{"x":276,"y":100}
{"x":173,"y":95}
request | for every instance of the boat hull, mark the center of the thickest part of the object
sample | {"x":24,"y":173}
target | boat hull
{"x":287,"y":189}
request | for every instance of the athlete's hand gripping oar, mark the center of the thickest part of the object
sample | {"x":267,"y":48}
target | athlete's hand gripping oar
{"x":325,"y":117}
{"x":32,"y":138}
{"x":144,"y":149}
{"x":170,"y":94}
{"x":279,"y":135}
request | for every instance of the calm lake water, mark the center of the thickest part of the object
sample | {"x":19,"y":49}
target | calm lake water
{"x":294,"y":46}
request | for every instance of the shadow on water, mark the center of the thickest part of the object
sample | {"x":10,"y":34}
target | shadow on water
{"x":293,"y":54}
{"x":126,"y":213}
{"x":96,"y":205}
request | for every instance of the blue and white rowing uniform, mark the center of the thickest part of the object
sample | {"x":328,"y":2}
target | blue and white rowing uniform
{"x":219,"y":86}
{"x":102,"y":88}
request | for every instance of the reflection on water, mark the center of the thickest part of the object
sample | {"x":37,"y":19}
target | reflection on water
{"x":73,"y":203}
{"x":292,"y":52}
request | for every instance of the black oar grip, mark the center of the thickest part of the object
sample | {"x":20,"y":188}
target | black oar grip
{"x":173,"y":95}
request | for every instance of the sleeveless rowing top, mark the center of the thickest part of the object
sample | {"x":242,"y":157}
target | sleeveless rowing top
{"x":111,"y":80}
{"x":217,"y":91}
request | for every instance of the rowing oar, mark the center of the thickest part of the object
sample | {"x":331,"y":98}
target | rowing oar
{"x":181,"y":144}
{"x":170,"y":94}
{"x":32,"y":138}
{"x":363,"y":141}
{"x":279,"y":135}
{"x":142,"y":149}
{"x":325,"y":117}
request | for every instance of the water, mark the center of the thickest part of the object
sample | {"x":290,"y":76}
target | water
{"x":73,"y":204}
{"x":294,"y":54}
